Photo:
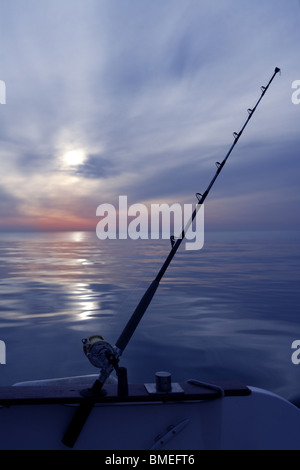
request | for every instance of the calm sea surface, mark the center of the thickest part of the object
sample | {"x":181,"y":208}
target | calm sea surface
{"x":227,"y":312}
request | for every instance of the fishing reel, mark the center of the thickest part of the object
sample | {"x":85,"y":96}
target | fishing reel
{"x":99,"y":352}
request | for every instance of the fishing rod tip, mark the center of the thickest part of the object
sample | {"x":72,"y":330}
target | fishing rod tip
{"x":277,"y":69}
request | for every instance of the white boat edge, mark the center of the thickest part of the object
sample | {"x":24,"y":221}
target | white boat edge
{"x":261,"y":420}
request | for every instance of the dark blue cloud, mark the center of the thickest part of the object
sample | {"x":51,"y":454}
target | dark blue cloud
{"x":96,"y":166}
{"x":9,"y":206}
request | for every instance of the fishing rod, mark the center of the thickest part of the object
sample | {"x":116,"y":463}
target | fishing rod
{"x":106,"y":357}
{"x":145,"y":301}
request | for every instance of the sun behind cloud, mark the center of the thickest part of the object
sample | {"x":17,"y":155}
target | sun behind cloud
{"x":74,"y":158}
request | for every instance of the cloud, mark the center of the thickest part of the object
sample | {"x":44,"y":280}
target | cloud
{"x":96,"y":166}
{"x":150,"y":92}
{"x":8,"y":205}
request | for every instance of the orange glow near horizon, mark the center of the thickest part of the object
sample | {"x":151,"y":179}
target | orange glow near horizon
{"x":51,"y":224}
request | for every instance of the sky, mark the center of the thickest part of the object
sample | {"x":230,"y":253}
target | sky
{"x":140,"y":98}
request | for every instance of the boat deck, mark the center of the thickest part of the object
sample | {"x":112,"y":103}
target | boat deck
{"x":76,"y":394}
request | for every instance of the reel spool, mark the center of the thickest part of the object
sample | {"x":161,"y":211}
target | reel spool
{"x":99,"y":352}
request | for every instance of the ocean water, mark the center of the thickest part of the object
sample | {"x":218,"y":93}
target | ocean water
{"x":227,"y":312}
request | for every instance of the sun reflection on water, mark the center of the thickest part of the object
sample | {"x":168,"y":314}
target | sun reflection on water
{"x":84,"y":300}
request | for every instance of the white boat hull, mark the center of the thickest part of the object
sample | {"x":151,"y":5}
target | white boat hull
{"x":259,"y":420}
